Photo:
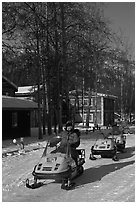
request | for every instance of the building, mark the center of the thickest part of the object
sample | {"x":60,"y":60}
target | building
{"x":16,"y":113}
{"x":82,"y":106}
{"x":16,"y":117}
{"x":97,"y":108}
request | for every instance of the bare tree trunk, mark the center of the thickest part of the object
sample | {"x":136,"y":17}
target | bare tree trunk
{"x":48,"y":82}
{"x":88,"y":111}
{"x":55,"y":121}
{"x":43,"y":44}
{"x":44,"y":108}
{"x":57,"y":75}
{"x":59,"y":101}
{"x":63,"y":62}
{"x":49,"y":109}
{"x":39,"y":94}
{"x":39,"y":113}
{"x":39,"y":77}
{"x":95,"y":85}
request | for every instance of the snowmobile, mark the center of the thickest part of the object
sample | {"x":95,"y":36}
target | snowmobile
{"x":57,"y":164}
{"x":106,"y":147}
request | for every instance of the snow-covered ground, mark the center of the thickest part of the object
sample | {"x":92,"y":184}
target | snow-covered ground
{"x":102,"y":181}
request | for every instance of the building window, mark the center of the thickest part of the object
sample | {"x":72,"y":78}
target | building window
{"x":91,"y":117}
{"x":14,"y":119}
{"x":91,"y":102}
{"x":85,"y":117}
{"x":80,"y":102}
{"x":86,"y":102}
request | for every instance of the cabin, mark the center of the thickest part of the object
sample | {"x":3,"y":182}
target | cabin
{"x":16,"y":117}
{"x":16,"y":113}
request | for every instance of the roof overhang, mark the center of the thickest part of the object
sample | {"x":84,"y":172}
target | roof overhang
{"x":10,"y":103}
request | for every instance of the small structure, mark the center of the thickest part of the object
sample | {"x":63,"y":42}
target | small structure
{"x":17,"y":113}
{"x":16,"y":117}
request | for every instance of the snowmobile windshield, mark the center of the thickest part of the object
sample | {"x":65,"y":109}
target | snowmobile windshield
{"x":55,"y":146}
{"x":54,"y":141}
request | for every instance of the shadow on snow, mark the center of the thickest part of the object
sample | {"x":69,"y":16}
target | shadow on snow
{"x":96,"y":174}
{"x":129,"y":152}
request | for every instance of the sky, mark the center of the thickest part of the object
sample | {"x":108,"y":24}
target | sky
{"x":122,"y":16}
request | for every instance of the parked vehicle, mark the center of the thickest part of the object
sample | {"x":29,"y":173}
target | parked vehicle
{"x":105,"y":147}
{"x":56,"y":163}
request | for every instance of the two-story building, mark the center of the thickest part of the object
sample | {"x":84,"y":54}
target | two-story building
{"x":98,"y":107}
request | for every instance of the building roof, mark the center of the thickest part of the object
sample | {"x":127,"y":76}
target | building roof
{"x":86,"y":94}
{"x":17,"y":104}
{"x":107,"y":95}
{"x":27,"y":90}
